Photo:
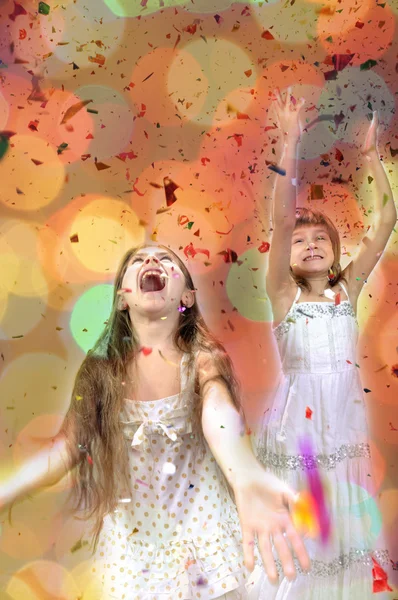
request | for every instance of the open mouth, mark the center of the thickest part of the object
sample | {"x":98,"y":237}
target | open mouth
{"x":315,"y":257}
{"x":153,"y":281}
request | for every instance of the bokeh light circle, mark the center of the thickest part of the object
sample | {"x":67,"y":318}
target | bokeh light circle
{"x":42,"y":579}
{"x":292,"y":23}
{"x":245,"y":286}
{"x":105,"y":231}
{"x":28,"y":185}
{"x":89,"y":314}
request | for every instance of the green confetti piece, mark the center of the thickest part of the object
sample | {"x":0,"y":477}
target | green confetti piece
{"x":370,"y":179}
{"x":385,"y":199}
{"x":368,"y":65}
{"x":4,"y":144}
{"x":62,"y":147}
{"x":329,"y":39}
{"x":190,"y":224}
{"x":44,"y":8}
{"x":91,"y":110}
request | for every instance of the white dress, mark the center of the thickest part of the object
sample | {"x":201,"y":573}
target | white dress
{"x":179,"y":537}
{"x":317,"y":344}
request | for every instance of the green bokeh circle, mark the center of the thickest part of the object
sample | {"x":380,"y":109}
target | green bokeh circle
{"x":90,"y":313}
{"x":246,"y":288}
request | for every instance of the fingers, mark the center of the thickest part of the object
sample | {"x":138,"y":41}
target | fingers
{"x":285,"y":554}
{"x":248,"y":549}
{"x":278,"y":98}
{"x":298,"y":547}
{"x":267,"y":557}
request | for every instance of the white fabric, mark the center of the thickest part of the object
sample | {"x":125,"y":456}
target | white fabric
{"x":317,"y":345}
{"x":179,"y":537}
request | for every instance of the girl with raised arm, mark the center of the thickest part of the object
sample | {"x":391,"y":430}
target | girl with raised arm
{"x":319,"y":397}
{"x":156,"y":441}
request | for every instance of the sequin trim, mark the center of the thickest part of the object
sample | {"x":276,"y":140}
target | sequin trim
{"x":348,"y":560}
{"x":312,"y":310}
{"x":324,"y":461}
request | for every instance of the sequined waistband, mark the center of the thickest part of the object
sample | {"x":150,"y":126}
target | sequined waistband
{"x":324,"y":461}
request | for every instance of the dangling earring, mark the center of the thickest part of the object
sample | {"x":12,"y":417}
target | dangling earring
{"x":331,"y":275}
{"x":182,"y":308}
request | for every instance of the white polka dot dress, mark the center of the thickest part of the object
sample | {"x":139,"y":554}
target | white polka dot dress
{"x":176,"y":534}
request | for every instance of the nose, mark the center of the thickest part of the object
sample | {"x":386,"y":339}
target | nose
{"x":152,"y":259}
{"x":311,"y":245}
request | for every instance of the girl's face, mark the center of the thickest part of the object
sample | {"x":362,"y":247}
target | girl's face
{"x":154,"y":283}
{"x":312,"y":251}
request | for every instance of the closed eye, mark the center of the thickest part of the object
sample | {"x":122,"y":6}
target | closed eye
{"x":137,"y":259}
{"x":167,"y":258}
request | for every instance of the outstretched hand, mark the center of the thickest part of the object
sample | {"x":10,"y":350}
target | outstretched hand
{"x":263,"y":503}
{"x":288,"y":113}
{"x":369,"y":147}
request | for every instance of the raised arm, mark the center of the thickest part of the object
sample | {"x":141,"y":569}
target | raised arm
{"x":284,"y":195}
{"x":385,"y":215}
{"x":262,"y":500}
{"x":43,"y":469}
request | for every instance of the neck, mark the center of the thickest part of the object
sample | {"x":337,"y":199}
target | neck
{"x":155,"y":333}
{"x":318,"y":284}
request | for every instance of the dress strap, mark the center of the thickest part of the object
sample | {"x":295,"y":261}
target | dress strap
{"x":298,"y":294}
{"x":344,"y":289}
{"x":185,"y":376}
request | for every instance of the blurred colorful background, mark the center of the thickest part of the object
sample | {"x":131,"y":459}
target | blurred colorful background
{"x":107,"y":106}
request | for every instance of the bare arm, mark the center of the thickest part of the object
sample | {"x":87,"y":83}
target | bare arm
{"x":284,"y":197}
{"x":43,"y":469}
{"x":376,"y":239}
{"x":262,"y":500}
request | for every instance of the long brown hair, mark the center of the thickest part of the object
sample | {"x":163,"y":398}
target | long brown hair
{"x":97,"y":451}
{"x":307,"y":216}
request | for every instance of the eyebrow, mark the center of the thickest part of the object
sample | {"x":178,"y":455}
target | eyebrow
{"x":315,"y":231}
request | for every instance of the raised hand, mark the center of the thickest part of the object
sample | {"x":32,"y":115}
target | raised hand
{"x":288,"y":113}
{"x":263,"y":505}
{"x":369,"y":148}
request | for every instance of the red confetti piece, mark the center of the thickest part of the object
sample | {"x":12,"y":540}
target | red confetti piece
{"x":392,"y":428}
{"x":74,"y":238}
{"x":98,"y":59}
{"x":101,"y":166}
{"x":229,"y":256}
{"x":248,"y":72}
{"x":359,"y":24}
{"x":22,"y":34}
{"x":18,"y":10}
{"x":267,"y":35}
{"x":242,"y":116}
{"x":204,"y":160}
{"x":340,"y":61}
{"x":33,"y":125}
{"x":339,"y":155}
{"x":380,"y":583}
{"x":183,"y":220}
{"x":238,"y":138}
{"x":337,"y":299}
{"x":170,"y":187}
{"x":190,"y":251}
{"x":89,"y":459}
{"x":146,"y":351}
{"x":136,"y":190}
{"x":190,"y":28}
{"x":394,"y":370}
{"x":36,"y":162}
{"x":130,"y":155}
{"x":308,"y":412}
{"x":265,"y":246}
{"x":225,"y":232}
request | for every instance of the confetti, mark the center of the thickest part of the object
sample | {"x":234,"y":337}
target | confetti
{"x":265,"y":246}
{"x":183,"y":220}
{"x":101,"y":166}
{"x":316,"y":191}
{"x":190,"y":251}
{"x":380,"y":582}
{"x":73,"y":110}
{"x":277,"y":169}
{"x":169,"y":362}
{"x":308,"y":412}
{"x":337,"y":300}
{"x":62,"y":147}
{"x":229,"y":256}
{"x":79,"y":544}
{"x":394,"y":370}
{"x":267,"y":35}
{"x":385,"y":199}
{"x":170,"y":187}
{"x":22,"y":34}
{"x":145,"y":351}
{"x":340,"y":61}
{"x":44,"y":8}
{"x":366,"y":390}
{"x":368,"y":65}
{"x":124,"y":291}
{"x":74,"y":238}
{"x":98,"y":59}
{"x":392,"y":428}
{"x":18,"y":10}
